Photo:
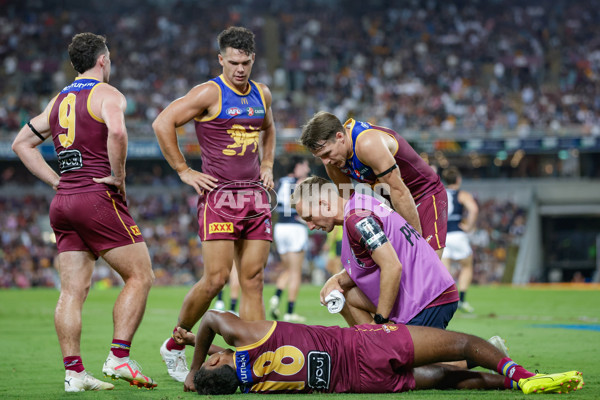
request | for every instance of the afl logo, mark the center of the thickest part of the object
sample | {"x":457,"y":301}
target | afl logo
{"x":233,"y":111}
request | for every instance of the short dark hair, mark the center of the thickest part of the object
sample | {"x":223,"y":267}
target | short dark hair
{"x":238,"y":38}
{"x":219,"y":380}
{"x":321,"y":127}
{"x":450,"y":175}
{"x":85,"y":49}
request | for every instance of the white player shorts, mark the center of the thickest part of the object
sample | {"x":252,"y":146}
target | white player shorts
{"x":290,"y":237}
{"x":457,"y":246}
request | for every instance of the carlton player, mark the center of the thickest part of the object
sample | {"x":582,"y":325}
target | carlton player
{"x":234,"y":124}
{"x":374,"y":154}
{"x":282,"y":357}
{"x":88,"y":213}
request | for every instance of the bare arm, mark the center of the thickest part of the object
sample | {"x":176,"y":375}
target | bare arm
{"x":25,"y":146}
{"x":374,"y":152}
{"x":341,"y":180}
{"x":389,"y":280}
{"x":267,"y":142}
{"x":111,"y":104}
{"x":340,"y":281}
{"x":467,"y":200}
{"x":235,"y":332}
{"x":196,"y":103}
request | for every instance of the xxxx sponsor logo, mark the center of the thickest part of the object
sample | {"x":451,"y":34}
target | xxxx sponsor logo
{"x":217,"y":227}
{"x":135,"y":230}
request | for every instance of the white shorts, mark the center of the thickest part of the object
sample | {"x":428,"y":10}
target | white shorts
{"x":457,"y":246}
{"x":290,"y":237}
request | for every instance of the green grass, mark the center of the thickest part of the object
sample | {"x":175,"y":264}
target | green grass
{"x":31,"y":366}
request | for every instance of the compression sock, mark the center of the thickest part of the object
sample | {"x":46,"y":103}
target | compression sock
{"x":172,"y":344}
{"x":120,"y":348}
{"x":513,"y":372}
{"x":291,"y":305}
{"x":461,"y":296}
{"x":278,"y":293}
{"x":73,"y":363}
{"x":220,"y":296}
{"x":233,"y":304}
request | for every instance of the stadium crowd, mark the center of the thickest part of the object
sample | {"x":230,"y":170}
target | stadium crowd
{"x":166,"y":220}
{"x":427,"y":69}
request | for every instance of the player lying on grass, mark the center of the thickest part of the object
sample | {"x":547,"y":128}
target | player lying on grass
{"x":280,"y":357}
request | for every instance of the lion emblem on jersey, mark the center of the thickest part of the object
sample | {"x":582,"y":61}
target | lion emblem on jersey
{"x":242,"y":139}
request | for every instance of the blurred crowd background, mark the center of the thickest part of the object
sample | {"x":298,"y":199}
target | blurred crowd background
{"x":428,"y":69}
{"x":476,"y":68}
{"x":169,"y":225}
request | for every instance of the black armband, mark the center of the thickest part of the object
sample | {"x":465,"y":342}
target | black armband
{"x":35,"y":131}
{"x":387,"y":171}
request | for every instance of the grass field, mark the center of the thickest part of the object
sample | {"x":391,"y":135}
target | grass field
{"x":549,"y":329}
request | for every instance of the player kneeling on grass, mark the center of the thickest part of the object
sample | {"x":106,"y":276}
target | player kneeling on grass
{"x":281,"y":357}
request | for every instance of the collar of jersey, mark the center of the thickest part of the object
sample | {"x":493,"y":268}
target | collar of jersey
{"x":234,"y":89}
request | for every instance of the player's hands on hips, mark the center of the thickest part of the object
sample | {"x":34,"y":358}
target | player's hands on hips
{"x":188,"y":384}
{"x":266,"y":176}
{"x":182,"y":336}
{"x":114,"y":181}
{"x":55,"y":184}
{"x":329,"y":286}
{"x":198,"y":180}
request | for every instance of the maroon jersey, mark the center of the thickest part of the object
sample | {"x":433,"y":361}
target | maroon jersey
{"x":229,"y":139}
{"x":80,"y":138}
{"x":295,"y":358}
{"x":417,"y":175}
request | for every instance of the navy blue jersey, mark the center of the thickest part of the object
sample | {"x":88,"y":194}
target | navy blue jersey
{"x":455,"y":210}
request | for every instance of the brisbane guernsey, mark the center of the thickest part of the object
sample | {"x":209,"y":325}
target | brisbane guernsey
{"x":295,"y":358}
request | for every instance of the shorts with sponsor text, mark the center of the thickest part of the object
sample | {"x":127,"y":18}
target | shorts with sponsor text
{"x":92,"y":221}
{"x":232,"y":214}
{"x":433,"y":215}
{"x":385,"y":358}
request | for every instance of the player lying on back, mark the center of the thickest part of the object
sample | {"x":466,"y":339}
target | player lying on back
{"x":280,"y":357}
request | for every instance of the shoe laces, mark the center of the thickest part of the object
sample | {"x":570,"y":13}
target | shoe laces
{"x":180,"y":363}
{"x":134,"y":365}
